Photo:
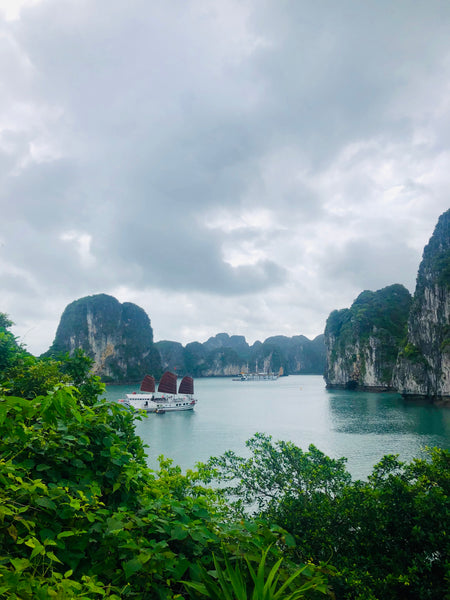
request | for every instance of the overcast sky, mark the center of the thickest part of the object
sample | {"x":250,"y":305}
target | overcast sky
{"x":245,"y":166}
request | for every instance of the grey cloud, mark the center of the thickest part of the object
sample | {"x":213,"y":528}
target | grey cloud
{"x":158,"y":116}
{"x":333,"y":70}
{"x":372,"y":265}
{"x":173,"y":255}
{"x":29,"y":195}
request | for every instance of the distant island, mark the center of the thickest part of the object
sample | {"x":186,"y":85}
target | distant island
{"x":225,"y":355}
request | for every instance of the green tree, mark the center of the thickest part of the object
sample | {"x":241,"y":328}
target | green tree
{"x":29,"y":377}
{"x":22,"y":374}
{"x":9,"y":348}
{"x":387,"y":537}
{"x":77,"y":367}
{"x":297,"y":490}
{"x":82,"y":516}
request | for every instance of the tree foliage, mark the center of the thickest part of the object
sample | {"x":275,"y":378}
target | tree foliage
{"x":387,"y":537}
{"x":82,"y":516}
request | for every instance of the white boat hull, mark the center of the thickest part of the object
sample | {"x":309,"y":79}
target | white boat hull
{"x":154,"y":404}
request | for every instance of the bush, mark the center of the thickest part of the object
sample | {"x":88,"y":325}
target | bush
{"x":386,"y":537}
{"x":81,"y":515}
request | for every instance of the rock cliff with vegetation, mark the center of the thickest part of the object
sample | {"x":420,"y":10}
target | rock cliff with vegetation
{"x":225,"y":355}
{"x":423,"y":367}
{"x":118,"y":337}
{"x":363,"y":341}
{"x":389,"y":341}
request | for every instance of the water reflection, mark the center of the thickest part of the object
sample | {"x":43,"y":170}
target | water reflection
{"x":371,"y":413}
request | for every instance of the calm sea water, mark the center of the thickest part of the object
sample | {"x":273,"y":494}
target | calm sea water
{"x":362,"y":427}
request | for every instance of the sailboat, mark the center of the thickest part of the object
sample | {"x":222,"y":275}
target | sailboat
{"x":166,"y":399}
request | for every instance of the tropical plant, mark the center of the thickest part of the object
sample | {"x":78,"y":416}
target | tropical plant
{"x":387,"y":537}
{"x":243,"y":582}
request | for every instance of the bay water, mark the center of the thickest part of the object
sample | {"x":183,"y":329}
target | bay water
{"x":360,"y":426}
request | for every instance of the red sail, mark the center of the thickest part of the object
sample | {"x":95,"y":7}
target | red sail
{"x":168,"y":383}
{"x":148,"y":384}
{"x":186,"y":386}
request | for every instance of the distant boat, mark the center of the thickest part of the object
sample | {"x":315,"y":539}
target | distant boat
{"x":259,"y":376}
{"x":166,"y":399}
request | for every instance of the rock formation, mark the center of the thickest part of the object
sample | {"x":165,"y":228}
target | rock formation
{"x":118,"y":337}
{"x":301,"y":355}
{"x":423,"y":367}
{"x":225,"y":355}
{"x":362,"y":342}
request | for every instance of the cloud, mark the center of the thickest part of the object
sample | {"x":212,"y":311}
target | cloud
{"x":236,"y":166}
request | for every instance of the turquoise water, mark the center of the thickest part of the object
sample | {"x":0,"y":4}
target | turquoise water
{"x":360,"y":426}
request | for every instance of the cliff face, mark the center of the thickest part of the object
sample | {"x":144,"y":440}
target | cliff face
{"x":362,"y":342}
{"x":118,"y":337}
{"x":423,"y":366}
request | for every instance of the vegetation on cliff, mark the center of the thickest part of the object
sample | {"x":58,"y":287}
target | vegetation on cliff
{"x":435,"y":265}
{"x":384,"y":310}
{"x":373,"y":328}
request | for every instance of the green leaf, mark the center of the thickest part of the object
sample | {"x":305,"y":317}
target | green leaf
{"x":289,"y":540}
{"x":65,"y":534}
{"x":42,"y":467}
{"x":12,"y":530}
{"x":132,"y":566}
{"x":46,"y":502}
{"x":179,"y":533}
{"x":38,"y":548}
{"x":195,"y":585}
{"x":20,"y":564}
{"x":53,"y":557}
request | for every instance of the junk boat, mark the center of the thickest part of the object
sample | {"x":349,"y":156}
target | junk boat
{"x":259,"y":376}
{"x":166,"y":399}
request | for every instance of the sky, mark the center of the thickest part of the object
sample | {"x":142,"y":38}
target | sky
{"x":239,"y":166}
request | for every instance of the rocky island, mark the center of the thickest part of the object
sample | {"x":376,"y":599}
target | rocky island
{"x":388,"y":341}
{"x":225,"y":355}
{"x":423,"y":365}
{"x":363,"y":341}
{"x":118,"y":337}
